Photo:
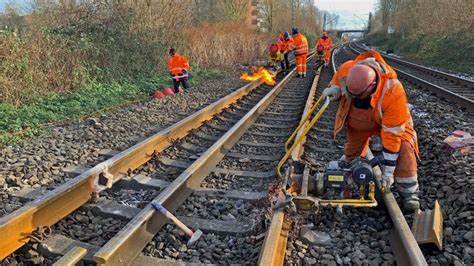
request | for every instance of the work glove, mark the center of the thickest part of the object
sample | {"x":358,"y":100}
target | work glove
{"x":387,"y":176}
{"x":334,"y":93}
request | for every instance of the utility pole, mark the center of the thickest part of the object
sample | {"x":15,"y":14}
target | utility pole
{"x":292,"y":13}
{"x":369,"y":25}
{"x":324,"y":21}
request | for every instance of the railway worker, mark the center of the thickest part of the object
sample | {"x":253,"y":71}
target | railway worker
{"x":178,"y":66}
{"x":300,"y":46}
{"x":326,"y":42}
{"x":373,"y":102}
{"x":276,"y":57}
{"x":284,"y":41}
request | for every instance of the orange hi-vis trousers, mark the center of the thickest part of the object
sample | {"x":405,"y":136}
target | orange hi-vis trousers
{"x":361,"y":126}
{"x":327,"y":55}
{"x":301,"y":64}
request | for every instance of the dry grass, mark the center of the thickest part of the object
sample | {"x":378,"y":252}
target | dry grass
{"x":35,"y":65}
{"x":218,"y":45}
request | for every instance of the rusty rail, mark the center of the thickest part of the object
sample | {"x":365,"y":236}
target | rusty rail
{"x":16,"y":227}
{"x":440,"y":91}
{"x":274,"y":246}
{"x":128,"y":243}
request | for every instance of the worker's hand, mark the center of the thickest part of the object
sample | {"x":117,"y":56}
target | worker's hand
{"x":332,"y":92}
{"x":387,"y":176}
{"x":171,"y":73}
{"x":185,"y":72}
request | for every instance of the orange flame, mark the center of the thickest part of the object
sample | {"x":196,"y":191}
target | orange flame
{"x":264,"y":75}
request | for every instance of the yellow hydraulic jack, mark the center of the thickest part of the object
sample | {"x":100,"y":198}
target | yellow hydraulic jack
{"x":427,"y":226}
{"x":299,"y":185}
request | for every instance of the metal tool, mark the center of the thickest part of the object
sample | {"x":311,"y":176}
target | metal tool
{"x":193,"y":236}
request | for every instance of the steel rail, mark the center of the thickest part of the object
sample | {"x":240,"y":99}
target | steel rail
{"x":436,"y":72}
{"x":274,"y":246}
{"x":128,"y":242}
{"x":440,"y":91}
{"x":404,"y":245}
{"x":16,"y":227}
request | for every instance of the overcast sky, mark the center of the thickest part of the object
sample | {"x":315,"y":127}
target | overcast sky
{"x":353,"y":14}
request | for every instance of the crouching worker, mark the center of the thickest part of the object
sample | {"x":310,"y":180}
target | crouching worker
{"x":276,"y":57}
{"x":373,"y":102}
{"x":178,"y":66}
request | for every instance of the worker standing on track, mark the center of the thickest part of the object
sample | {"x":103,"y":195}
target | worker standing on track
{"x":284,"y":42}
{"x":178,"y":66}
{"x":300,"y":46}
{"x":373,"y":102}
{"x":326,"y":42}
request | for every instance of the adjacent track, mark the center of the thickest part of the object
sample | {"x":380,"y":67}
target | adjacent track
{"x":451,"y":87}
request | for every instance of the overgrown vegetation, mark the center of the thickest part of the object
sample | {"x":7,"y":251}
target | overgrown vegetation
{"x":438,"y":33}
{"x":65,"y":59}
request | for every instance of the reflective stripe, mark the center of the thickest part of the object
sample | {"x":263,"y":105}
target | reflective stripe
{"x":388,"y":84}
{"x":407,"y":189}
{"x":182,"y":76}
{"x":390,"y":156}
{"x":404,"y":180}
{"x":388,"y":170}
{"x":394,"y":130}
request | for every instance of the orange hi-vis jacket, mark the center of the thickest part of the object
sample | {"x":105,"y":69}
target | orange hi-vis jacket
{"x":176,"y":64}
{"x":325,"y":43}
{"x":389,"y":103}
{"x":300,"y":45}
{"x":283,"y":45}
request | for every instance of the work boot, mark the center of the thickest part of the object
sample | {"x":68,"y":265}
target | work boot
{"x":409,"y":193}
{"x":411,"y":204}
{"x":298,"y":75}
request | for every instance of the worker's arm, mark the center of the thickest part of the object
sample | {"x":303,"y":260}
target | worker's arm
{"x":395,"y":115}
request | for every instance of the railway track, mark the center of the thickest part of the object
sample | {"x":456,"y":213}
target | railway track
{"x":360,"y":235}
{"x":212,"y":169}
{"x":451,"y":87}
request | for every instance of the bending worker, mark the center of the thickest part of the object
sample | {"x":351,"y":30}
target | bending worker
{"x":179,"y":67}
{"x":326,"y":42}
{"x":284,"y":41}
{"x":373,"y":101}
{"x":300,"y":46}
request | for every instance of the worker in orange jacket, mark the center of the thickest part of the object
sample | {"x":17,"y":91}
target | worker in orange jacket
{"x":178,"y":66}
{"x":326,"y":42}
{"x":300,"y":46}
{"x":284,"y":41}
{"x":373,"y":102}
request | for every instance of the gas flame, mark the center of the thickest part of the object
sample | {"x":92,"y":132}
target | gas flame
{"x":261,"y":73}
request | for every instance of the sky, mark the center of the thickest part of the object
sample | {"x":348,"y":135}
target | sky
{"x":353,"y":14}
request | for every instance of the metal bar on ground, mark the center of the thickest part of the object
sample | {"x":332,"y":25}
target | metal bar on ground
{"x":72,"y":257}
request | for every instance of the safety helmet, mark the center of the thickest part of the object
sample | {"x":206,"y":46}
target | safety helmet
{"x":286,"y":35}
{"x":273,"y":48}
{"x":295,"y":31}
{"x":361,"y":81}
